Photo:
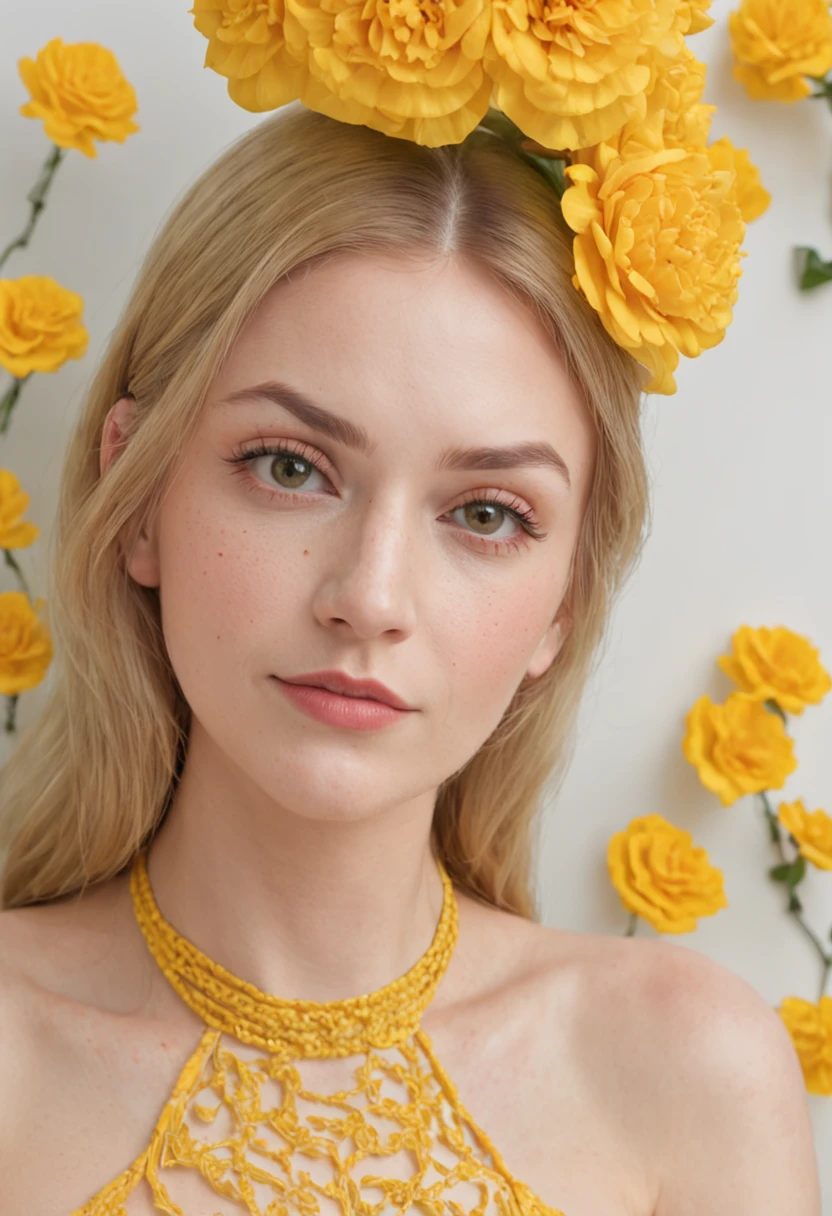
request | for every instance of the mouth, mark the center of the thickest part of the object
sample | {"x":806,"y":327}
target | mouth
{"x":345,"y":685}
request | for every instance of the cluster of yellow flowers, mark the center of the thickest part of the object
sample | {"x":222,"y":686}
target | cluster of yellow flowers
{"x":659,"y":216}
{"x":740,"y":748}
{"x":80,"y":94}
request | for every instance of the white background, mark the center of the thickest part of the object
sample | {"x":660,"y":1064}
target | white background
{"x":741,"y":462}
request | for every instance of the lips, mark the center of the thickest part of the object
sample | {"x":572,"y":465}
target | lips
{"x":349,"y":686}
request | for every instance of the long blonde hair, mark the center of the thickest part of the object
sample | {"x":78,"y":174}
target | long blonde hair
{"x":92,"y":777}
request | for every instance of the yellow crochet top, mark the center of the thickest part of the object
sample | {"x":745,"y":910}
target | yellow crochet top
{"x":381,"y":1131}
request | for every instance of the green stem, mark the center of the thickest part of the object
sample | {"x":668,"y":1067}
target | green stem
{"x":795,"y":907}
{"x":631,"y":927}
{"x":11,"y":706}
{"x":37,"y":198}
{"x":10,"y":561}
{"x":7,"y":402}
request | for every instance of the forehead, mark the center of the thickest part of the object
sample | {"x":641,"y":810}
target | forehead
{"x":394,"y":340}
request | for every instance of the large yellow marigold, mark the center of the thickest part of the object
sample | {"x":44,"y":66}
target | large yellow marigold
{"x":810,"y":1027}
{"x":25,"y":644}
{"x":777,"y":665}
{"x":40,"y":325}
{"x":778,"y":43}
{"x":80,"y":93}
{"x":247,"y":45}
{"x":657,"y":251}
{"x":15,"y":533}
{"x":661,"y":876}
{"x":409,"y":68}
{"x":738,"y":748}
{"x":811,"y":829}
{"x":571,"y":74}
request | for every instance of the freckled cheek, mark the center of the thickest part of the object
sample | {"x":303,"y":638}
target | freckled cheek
{"x":493,"y":640}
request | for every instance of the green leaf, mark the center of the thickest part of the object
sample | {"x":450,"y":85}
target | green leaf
{"x":780,"y":873}
{"x":791,"y":873}
{"x":812,"y":270}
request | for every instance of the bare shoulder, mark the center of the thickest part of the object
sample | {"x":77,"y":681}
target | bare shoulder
{"x":685,"y":1055}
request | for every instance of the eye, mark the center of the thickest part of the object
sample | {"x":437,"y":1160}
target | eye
{"x":291,"y":470}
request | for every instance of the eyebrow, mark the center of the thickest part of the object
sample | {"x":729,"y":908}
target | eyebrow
{"x":513,"y":456}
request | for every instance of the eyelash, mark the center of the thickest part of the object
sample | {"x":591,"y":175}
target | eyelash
{"x":243,"y":458}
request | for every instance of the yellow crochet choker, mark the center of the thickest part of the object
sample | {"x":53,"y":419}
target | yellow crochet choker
{"x":294,"y":1028}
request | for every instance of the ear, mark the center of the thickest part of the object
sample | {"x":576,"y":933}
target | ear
{"x":142,"y":560}
{"x":549,"y":647}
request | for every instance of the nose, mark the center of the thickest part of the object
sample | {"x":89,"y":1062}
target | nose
{"x":369,"y":575}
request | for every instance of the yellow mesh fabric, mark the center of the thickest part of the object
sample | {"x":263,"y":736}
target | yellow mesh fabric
{"x":304,"y":1108}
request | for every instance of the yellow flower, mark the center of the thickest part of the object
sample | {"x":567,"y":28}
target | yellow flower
{"x":812,"y":831}
{"x":778,"y":43}
{"x":80,"y":93}
{"x":695,"y":13}
{"x":676,"y":117}
{"x":737,"y":748}
{"x":752,"y":196}
{"x":777,"y":665}
{"x":15,"y":533}
{"x":657,"y":251}
{"x":247,"y":45}
{"x":40,"y":325}
{"x":409,"y":68}
{"x":25,"y":644}
{"x":810,"y":1027}
{"x":662,"y":877}
{"x":571,"y":75}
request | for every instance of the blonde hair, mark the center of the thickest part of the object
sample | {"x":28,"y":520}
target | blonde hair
{"x":92,"y":777}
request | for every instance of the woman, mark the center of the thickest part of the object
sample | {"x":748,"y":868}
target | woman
{"x":271,"y":948}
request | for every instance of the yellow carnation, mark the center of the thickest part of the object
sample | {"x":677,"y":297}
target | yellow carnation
{"x":752,"y":196}
{"x":40,"y":325}
{"x":737,"y":748}
{"x":80,"y":93}
{"x":812,"y":831}
{"x":25,"y":644}
{"x":810,"y":1027}
{"x":778,"y":43}
{"x":571,"y":75}
{"x":657,"y":251}
{"x":247,"y":45}
{"x":662,"y":877}
{"x":695,"y":13}
{"x":15,"y":533}
{"x":777,"y":665}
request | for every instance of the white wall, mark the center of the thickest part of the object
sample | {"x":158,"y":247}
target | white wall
{"x":741,"y":460}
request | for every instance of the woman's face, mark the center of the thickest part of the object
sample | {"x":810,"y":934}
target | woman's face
{"x":358,"y":549}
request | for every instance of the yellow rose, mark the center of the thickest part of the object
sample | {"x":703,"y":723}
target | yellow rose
{"x":15,"y":533}
{"x":25,"y":644}
{"x":409,"y":68}
{"x":247,"y":45}
{"x":778,"y":43}
{"x":80,"y":93}
{"x":752,"y":196}
{"x":40,"y":325}
{"x":738,"y":748}
{"x":777,"y":665}
{"x":695,"y":13}
{"x":811,"y":830}
{"x":571,"y":75}
{"x":657,"y":251}
{"x":662,"y":877}
{"x":810,"y":1027}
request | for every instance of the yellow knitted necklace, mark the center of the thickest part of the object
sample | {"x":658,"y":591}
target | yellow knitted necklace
{"x":288,"y":1027}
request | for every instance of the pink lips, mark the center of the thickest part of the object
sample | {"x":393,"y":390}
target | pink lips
{"x":335,"y":709}
{"x":346,"y":685}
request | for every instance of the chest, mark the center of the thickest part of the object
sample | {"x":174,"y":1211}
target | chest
{"x":438,"y":1125}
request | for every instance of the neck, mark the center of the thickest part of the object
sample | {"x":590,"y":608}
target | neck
{"x":316,"y":910}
